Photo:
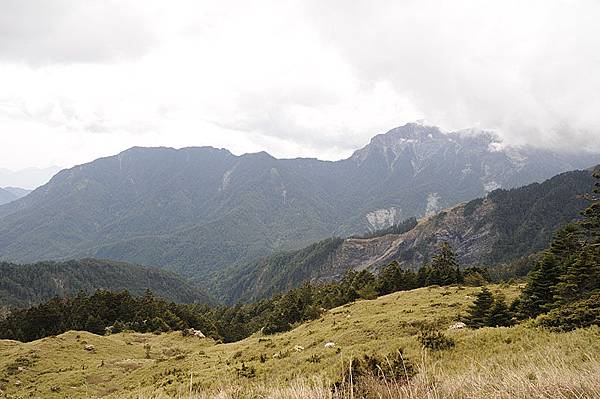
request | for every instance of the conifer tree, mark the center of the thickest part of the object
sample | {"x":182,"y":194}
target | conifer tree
{"x":566,"y":243}
{"x":479,"y":311}
{"x":444,"y":267}
{"x":581,"y":277}
{"x":591,"y":221}
{"x":499,"y":315}
{"x":393,"y":278}
{"x":581,"y":262}
{"x":539,"y":295}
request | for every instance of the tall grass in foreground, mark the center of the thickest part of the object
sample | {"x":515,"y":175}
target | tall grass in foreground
{"x":551,"y":378}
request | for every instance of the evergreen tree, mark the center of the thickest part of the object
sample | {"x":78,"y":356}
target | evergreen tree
{"x":393,"y":278}
{"x":591,"y":221}
{"x":499,"y":315}
{"x":539,"y":295}
{"x":423,"y":275}
{"x":566,"y":243}
{"x":479,"y":311}
{"x":581,"y":277}
{"x":444,"y":267}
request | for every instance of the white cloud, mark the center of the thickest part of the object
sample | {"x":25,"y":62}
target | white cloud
{"x":527,"y":69}
{"x":38,"y":32}
{"x":295,"y":78}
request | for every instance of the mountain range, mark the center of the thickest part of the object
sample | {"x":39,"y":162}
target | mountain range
{"x":9,"y":194}
{"x":504,"y":226}
{"x":28,"y":178}
{"x":199,"y":211}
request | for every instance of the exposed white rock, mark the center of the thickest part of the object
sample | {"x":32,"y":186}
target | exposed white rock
{"x":330,"y":344}
{"x":226,"y":180}
{"x":457,"y":326}
{"x":197,"y":333}
{"x":491,"y":185}
{"x":382,"y":218}
{"x":433,"y":204}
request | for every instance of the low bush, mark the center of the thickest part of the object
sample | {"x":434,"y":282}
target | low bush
{"x":579,"y":314}
{"x":435,"y":340}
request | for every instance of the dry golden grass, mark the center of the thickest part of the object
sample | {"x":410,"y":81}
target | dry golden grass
{"x":518,"y":362}
{"x":551,"y":379}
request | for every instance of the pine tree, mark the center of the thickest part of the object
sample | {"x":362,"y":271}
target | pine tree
{"x":393,"y":278}
{"x":444,"y":267}
{"x":591,"y":215}
{"x":539,"y":295}
{"x":479,"y":311}
{"x":423,"y":275}
{"x":499,"y":315}
{"x":566,"y":244}
{"x":581,"y":257}
{"x":582,"y":276}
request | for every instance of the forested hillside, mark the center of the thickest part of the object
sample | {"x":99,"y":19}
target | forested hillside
{"x":198,"y":211}
{"x":447,"y":320}
{"x":29,"y":284}
{"x":505,"y":226}
{"x":6,"y":196}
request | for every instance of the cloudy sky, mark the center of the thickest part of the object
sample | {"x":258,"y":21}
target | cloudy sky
{"x":83,"y":79}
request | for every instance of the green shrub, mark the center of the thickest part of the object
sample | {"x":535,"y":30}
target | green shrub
{"x":246,"y":371}
{"x":393,"y":367}
{"x":435,"y":340}
{"x":579,"y":314}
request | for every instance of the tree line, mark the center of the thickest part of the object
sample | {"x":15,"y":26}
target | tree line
{"x":562,"y":291}
{"x":106,"y":311}
{"x":563,"y":288}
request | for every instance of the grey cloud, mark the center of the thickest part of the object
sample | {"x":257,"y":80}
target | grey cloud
{"x":42,"y":32}
{"x":526,"y":69}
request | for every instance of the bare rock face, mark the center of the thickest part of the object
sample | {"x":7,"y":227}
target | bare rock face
{"x":382,"y":218}
{"x":469,"y":233}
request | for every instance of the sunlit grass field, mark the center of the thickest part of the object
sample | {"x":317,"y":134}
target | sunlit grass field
{"x":517,"y":362}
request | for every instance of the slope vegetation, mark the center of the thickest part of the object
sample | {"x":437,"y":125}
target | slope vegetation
{"x":504,"y":226}
{"x":500,"y":361}
{"x":200,"y":210}
{"x":25,"y":285}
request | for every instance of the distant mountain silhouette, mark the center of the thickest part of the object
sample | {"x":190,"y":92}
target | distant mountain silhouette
{"x":200,"y":210}
{"x":28,"y":178}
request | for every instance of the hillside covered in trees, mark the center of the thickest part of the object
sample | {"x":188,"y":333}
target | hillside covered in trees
{"x":29,"y":284}
{"x":562,"y":293}
{"x":501,"y":232}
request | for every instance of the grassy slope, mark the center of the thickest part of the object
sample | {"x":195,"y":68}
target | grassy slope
{"x":118,"y":367}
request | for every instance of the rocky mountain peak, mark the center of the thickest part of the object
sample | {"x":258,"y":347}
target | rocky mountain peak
{"x":395,"y":141}
{"x":409,"y":133}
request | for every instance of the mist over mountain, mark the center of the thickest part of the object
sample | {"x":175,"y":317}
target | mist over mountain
{"x":9,"y":194}
{"x":199,"y":210}
{"x":6,"y":196}
{"x":28,"y":178}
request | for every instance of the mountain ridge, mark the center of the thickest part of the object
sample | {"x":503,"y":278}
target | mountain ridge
{"x":502,"y":227}
{"x":198,"y":210}
{"x":25,"y":285}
